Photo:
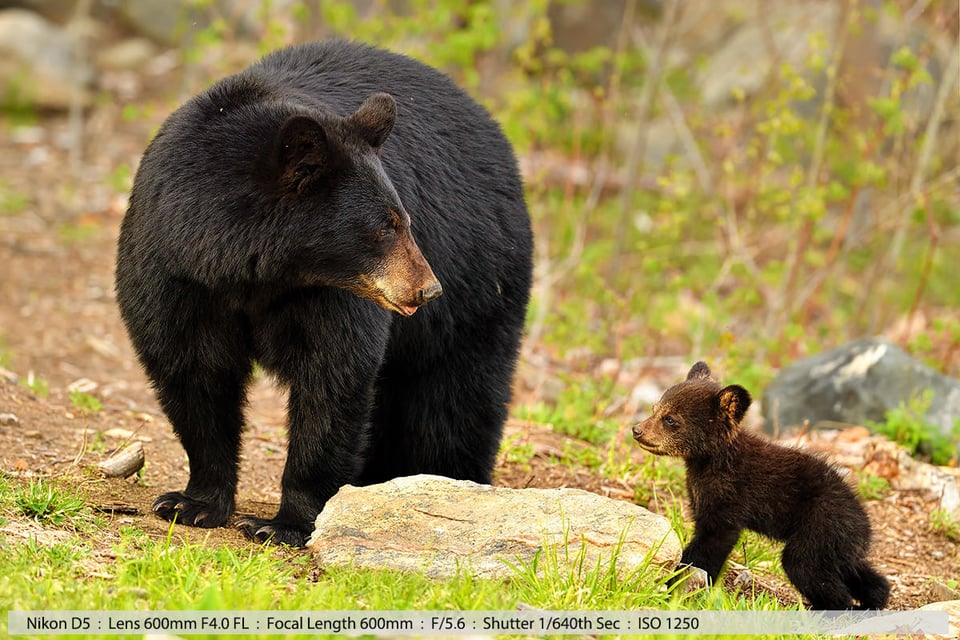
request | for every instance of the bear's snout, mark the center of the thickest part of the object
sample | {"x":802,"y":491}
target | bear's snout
{"x":430,"y":292}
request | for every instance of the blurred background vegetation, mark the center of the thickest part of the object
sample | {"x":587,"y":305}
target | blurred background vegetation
{"x":742,"y":181}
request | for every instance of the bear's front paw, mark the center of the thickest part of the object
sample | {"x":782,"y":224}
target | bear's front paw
{"x":192,"y":511}
{"x":275,"y":531}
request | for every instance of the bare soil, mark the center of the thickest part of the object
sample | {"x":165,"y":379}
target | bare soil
{"x":58,"y":321}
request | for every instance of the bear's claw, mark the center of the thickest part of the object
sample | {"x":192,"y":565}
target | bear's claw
{"x":261,"y":530}
{"x":193,"y":512}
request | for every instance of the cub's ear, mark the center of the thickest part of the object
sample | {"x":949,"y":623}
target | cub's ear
{"x":734,"y":402}
{"x":699,"y":371}
{"x":374,"y":119}
{"x":303,"y":152}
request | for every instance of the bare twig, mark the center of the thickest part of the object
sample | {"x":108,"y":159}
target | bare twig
{"x":78,"y":91}
{"x":125,"y":462}
{"x":927,"y":148}
{"x":781,"y":310}
{"x":645,"y":102}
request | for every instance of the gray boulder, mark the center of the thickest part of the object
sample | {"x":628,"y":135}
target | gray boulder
{"x":443,"y":527}
{"x":40,"y":63}
{"x":854,"y":383}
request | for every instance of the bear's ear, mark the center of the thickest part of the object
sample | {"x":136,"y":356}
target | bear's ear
{"x":699,"y":371}
{"x":734,"y":402}
{"x":303,"y":152}
{"x":374,"y":119}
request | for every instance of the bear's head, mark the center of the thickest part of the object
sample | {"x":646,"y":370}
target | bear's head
{"x":693,"y":419}
{"x":353,"y":231}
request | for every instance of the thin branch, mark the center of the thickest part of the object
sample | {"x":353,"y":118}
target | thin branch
{"x":648,"y":96}
{"x":927,"y":148}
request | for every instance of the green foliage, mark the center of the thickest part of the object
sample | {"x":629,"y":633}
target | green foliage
{"x":121,"y":180}
{"x":5,"y":356}
{"x":516,"y":451}
{"x":37,"y":385}
{"x":12,"y":202}
{"x":871,"y":487}
{"x":85,"y":402}
{"x":907,"y":426}
{"x":78,"y":232}
{"x":578,"y":411}
{"x":661,"y":481}
{"x":942,"y":522}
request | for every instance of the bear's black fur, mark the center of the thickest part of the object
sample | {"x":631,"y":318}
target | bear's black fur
{"x":266,"y":215}
{"x":737,"y":480}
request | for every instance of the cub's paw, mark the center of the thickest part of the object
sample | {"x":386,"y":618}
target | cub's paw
{"x":275,"y":531}
{"x":192,"y":511}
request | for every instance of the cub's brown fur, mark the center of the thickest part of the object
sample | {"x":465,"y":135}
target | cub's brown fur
{"x":737,"y":480}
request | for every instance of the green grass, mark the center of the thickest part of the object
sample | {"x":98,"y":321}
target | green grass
{"x":12,"y":202}
{"x":942,"y":522}
{"x":48,"y":504}
{"x":38,"y":386}
{"x":139,"y":572}
{"x":907,"y":426}
{"x":85,"y":403}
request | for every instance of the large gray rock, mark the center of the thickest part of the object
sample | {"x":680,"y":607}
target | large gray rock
{"x":854,"y":383}
{"x":165,"y":21}
{"x":40,"y":63}
{"x":952,"y":607}
{"x":441,"y":527}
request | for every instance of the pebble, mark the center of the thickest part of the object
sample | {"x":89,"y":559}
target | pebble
{"x":9,"y":420}
{"x":744,"y":580}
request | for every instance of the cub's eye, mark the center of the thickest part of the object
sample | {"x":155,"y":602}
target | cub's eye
{"x":385,"y":233}
{"x":669,"y":421}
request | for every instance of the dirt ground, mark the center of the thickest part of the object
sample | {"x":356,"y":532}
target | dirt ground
{"x":58,"y":320}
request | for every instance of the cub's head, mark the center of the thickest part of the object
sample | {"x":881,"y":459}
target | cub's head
{"x":695,"y":418}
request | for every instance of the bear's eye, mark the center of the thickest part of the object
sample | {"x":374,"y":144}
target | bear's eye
{"x":669,"y":421}
{"x":386,"y":232}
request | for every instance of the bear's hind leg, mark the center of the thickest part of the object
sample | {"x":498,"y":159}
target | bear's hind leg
{"x":442,"y":420}
{"x":817,"y":576}
{"x":870,"y":588}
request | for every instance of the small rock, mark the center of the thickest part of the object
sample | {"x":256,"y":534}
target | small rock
{"x":943,"y":593}
{"x":117,"y":432}
{"x":9,"y":420}
{"x":694,"y":578}
{"x":744,"y":580}
{"x":82,"y":385}
{"x":129,"y":54}
{"x":443,"y":527}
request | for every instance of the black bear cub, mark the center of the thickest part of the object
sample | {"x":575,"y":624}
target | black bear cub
{"x":737,"y":480}
{"x":307,"y":214}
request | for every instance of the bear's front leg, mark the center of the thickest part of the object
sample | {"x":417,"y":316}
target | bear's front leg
{"x":331,"y":361}
{"x":326,"y":443}
{"x":205,"y":408}
{"x":711,"y":544}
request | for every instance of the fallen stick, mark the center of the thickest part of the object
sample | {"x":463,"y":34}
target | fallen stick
{"x":125,"y":462}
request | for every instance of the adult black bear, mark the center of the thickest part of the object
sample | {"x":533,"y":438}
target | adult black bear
{"x":266,"y":215}
{"x":737,"y":480}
